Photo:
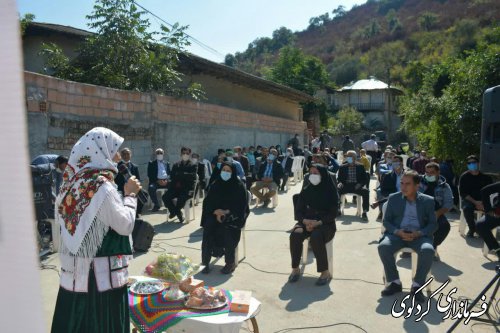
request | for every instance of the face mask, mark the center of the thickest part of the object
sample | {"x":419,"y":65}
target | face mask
{"x":259,"y":151}
{"x":271,"y":157}
{"x":250,"y":152}
{"x":185,"y":157}
{"x":58,"y":170}
{"x":396,"y":165}
{"x":229,"y":159}
{"x":159,"y":157}
{"x":472,"y":166}
{"x":195,"y":161}
{"x":417,"y":155}
{"x":236,"y":155}
{"x":430,"y":179}
{"x":389,"y":160}
{"x":225,"y":175}
{"x":350,"y":160}
{"x":288,"y":154}
{"x":315,"y":179}
{"x":218,"y":165}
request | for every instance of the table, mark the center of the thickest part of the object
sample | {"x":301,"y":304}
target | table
{"x":221,"y":323}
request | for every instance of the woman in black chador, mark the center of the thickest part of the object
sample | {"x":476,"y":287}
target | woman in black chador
{"x":225,"y":210}
{"x":316,"y":207}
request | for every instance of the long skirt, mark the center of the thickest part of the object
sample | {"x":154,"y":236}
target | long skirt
{"x":92,"y":312}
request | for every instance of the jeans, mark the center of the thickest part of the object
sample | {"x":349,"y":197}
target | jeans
{"x":484,"y":226}
{"x":390,"y":244}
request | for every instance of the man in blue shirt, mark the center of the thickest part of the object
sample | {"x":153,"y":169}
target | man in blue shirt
{"x":409,"y":221}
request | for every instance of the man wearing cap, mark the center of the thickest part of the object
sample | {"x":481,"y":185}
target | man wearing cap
{"x":158,"y":174}
{"x":371,"y":147}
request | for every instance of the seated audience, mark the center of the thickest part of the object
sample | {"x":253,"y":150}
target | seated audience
{"x":269,"y":176}
{"x":287,"y":163}
{"x":158,"y":175}
{"x":490,"y":196}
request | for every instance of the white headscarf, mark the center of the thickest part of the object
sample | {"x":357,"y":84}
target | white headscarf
{"x":88,"y":181}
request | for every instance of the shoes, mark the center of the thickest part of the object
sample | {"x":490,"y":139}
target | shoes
{"x":206,"y":270}
{"x":364,"y":217}
{"x":392,"y":289}
{"x":155,"y":208}
{"x":374,"y":205}
{"x":470,"y":234}
{"x":228,"y":269}
{"x":180,"y":217}
{"x":294,"y":277}
{"x":419,"y":297}
{"x":267,"y":202}
{"x":379,"y":217}
{"x":171,"y":215}
{"x":322,"y":281}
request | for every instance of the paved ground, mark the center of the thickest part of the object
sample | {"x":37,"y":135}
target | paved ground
{"x":353,"y":296}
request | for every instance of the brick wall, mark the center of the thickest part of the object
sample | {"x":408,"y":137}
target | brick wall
{"x":60,"y":111}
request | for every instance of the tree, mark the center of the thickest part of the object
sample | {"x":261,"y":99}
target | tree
{"x":348,"y":121}
{"x":339,"y":12}
{"x":449,"y":124}
{"x":25,"y":21}
{"x":427,"y":21}
{"x":124,"y":54}
{"x":229,"y":60}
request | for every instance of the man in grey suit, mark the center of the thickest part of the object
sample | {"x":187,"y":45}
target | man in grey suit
{"x":409,"y":221}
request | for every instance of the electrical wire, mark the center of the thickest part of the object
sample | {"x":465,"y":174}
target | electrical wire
{"x":194,"y":40}
{"x":317,"y":327}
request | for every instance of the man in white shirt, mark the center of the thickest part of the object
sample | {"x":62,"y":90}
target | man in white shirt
{"x":371,"y":147}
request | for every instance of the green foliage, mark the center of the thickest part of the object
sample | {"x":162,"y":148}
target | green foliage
{"x":387,"y":5}
{"x":449,"y":124}
{"x":25,"y":20}
{"x":339,"y":12}
{"x":296,"y":70}
{"x":347,"y":121}
{"x":124,"y":54}
{"x":427,"y":21}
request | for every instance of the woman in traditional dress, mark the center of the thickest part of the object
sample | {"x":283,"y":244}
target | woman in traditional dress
{"x":96,"y":223}
{"x":225,"y":210}
{"x":316,"y":207}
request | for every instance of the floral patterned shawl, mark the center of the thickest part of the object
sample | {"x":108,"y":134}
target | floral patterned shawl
{"x":88,"y":181}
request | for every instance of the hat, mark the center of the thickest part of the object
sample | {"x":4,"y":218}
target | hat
{"x":229,"y":152}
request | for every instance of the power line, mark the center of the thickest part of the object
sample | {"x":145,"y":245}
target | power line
{"x":194,"y":40}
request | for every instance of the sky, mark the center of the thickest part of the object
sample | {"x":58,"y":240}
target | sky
{"x":223,"y":25}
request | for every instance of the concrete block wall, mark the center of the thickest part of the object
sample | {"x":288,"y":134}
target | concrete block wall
{"x":60,"y":112}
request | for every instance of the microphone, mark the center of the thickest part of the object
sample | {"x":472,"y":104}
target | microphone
{"x":143,"y":196}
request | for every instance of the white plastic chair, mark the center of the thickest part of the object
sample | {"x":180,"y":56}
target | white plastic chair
{"x":243,"y":239}
{"x":359,"y":204}
{"x":329,"y":253}
{"x":274,"y":199}
{"x":414,"y":257}
{"x":56,"y":235}
{"x":159,"y":194}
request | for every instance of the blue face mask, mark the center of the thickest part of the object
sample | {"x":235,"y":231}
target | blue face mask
{"x":271,"y":157}
{"x":472,"y":166}
{"x":349,"y":160}
{"x":225,"y":175}
{"x":218,"y":165}
{"x":430,"y":179}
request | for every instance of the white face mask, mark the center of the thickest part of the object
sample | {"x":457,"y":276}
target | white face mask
{"x":236,"y":154}
{"x":195,"y":161}
{"x":58,"y":170}
{"x":229,"y":159}
{"x":159,"y":157}
{"x":185,"y":157}
{"x":315,"y":179}
{"x":288,"y":153}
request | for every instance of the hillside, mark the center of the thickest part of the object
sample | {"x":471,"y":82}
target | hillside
{"x":380,"y":37}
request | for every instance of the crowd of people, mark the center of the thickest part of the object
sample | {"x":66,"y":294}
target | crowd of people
{"x":97,"y":205}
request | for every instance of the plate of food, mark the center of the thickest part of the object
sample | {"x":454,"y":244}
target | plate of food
{"x":205,"y":299}
{"x":147,"y":287}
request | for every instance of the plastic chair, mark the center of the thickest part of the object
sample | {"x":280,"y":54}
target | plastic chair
{"x":359,"y":204}
{"x":329,"y":253}
{"x":243,"y":239}
{"x":486,"y":251}
{"x":56,"y":235}
{"x":414,"y":257}
{"x":295,"y":170}
{"x":274,"y":199}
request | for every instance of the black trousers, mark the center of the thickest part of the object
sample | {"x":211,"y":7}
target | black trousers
{"x":442,"y":231}
{"x":318,"y":238}
{"x":286,"y":175}
{"x":364,"y":192}
{"x":168,"y":198}
{"x":373,"y":155}
{"x":469,"y":216}
{"x":216,"y":237}
{"x":484,"y":226}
